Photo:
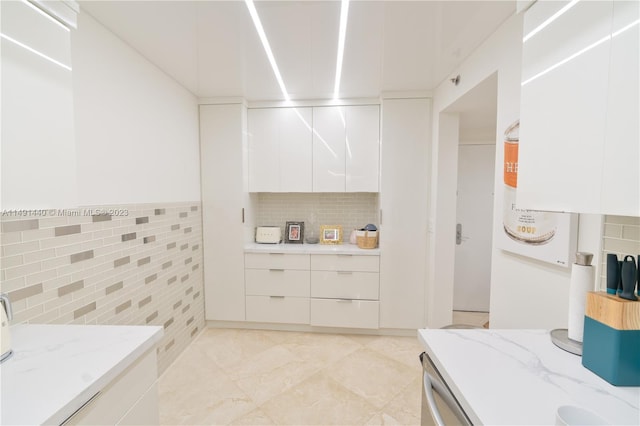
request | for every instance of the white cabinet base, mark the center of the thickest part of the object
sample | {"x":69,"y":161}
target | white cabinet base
{"x":344,"y":313}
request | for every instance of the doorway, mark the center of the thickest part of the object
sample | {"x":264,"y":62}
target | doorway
{"x":477,"y":117}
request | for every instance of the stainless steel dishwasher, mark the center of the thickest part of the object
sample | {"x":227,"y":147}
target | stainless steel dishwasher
{"x":439,"y":405}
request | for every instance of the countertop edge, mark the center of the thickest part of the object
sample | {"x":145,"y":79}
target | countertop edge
{"x":310,"y":249}
{"x":97,"y":385}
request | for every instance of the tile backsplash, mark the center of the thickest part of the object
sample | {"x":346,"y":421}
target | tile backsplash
{"x":350,"y":210}
{"x":621,"y":236}
{"x":126,"y":264}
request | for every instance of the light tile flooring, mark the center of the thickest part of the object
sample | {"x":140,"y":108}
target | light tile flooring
{"x":255,"y":377}
{"x":251,"y":377}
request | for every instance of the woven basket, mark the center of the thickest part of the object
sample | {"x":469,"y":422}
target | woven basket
{"x":367,"y":239}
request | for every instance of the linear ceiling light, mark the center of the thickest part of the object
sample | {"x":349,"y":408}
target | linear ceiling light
{"x":344,"y":13}
{"x":550,"y":20}
{"x":265,"y":44}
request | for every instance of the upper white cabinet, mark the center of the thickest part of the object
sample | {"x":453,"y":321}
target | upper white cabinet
{"x":362,"y":148}
{"x":579,"y":140}
{"x":346,"y":148}
{"x":329,"y":134}
{"x":314,"y":149}
{"x":280,"y":147}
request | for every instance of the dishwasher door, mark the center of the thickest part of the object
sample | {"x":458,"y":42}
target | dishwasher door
{"x":439,"y":406}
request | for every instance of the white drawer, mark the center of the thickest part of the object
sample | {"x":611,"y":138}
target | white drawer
{"x":345,"y":285}
{"x":276,"y":261}
{"x":292,"y":310}
{"x":344,"y":262}
{"x":277,"y":282}
{"x":344,"y":313}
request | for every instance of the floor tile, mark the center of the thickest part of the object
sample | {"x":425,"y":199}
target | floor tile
{"x":402,"y":349}
{"x":319,"y":400}
{"x":255,"y":417}
{"x":372,"y":375}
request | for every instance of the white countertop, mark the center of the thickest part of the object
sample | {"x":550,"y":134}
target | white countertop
{"x":310,"y":249}
{"x":519,"y":377}
{"x":57,"y":368}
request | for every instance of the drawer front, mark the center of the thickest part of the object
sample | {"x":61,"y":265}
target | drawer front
{"x":276,"y":261}
{"x":344,"y":262}
{"x":290,"y":310}
{"x":345,"y":285}
{"x":276,"y":282}
{"x":344,"y":313}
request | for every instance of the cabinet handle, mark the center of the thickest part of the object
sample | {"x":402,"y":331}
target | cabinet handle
{"x":276,"y":270}
{"x":243,"y":215}
{"x":345,"y":300}
{"x":345,"y":272}
{"x":276,"y":297}
{"x":345,"y":255}
{"x":276,"y":254}
{"x":68,"y":419}
{"x":380,"y":216}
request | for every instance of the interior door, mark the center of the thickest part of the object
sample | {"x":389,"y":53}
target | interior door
{"x":472,"y":273}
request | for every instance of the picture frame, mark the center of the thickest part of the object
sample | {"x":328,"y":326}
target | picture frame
{"x":294,"y":233}
{"x":331,"y":234}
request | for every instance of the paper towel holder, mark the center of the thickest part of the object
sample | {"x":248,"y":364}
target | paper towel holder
{"x":560,"y":336}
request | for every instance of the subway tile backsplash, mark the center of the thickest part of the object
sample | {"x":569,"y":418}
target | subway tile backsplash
{"x":78,"y":267}
{"x":350,"y":210}
{"x":622,"y":237}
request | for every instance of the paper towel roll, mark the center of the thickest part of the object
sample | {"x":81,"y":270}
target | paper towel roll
{"x":582,"y":281}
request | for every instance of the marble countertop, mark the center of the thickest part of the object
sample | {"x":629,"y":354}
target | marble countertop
{"x":55,"y":369}
{"x":310,"y":249}
{"x":519,"y":377}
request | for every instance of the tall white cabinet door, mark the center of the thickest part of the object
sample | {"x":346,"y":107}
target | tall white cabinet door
{"x":295,"y":149}
{"x":329,"y":125}
{"x":223,"y":197}
{"x":362,"y":148}
{"x":621,"y":155}
{"x":563,"y":107}
{"x":406,"y":136}
{"x":263,"y":132}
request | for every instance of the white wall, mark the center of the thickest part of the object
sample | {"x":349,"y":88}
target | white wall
{"x":524,"y":293}
{"x":136,"y":128}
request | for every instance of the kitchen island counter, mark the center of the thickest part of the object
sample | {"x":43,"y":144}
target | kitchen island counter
{"x":55,"y":369}
{"x":520,"y":377}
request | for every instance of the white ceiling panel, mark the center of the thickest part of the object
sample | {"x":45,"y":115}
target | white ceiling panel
{"x":212,"y":48}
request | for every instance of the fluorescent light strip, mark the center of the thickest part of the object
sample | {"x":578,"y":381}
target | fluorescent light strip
{"x":265,"y":44}
{"x":342,"y":35}
{"x":32,"y":50}
{"x":46,"y":15}
{"x":586,"y":49}
{"x":550,"y":20}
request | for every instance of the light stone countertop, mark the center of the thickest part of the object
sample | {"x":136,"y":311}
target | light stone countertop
{"x":310,"y":249}
{"x":519,"y":377}
{"x":55,"y":369}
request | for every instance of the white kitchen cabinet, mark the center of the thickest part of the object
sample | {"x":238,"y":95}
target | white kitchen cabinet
{"x":345,"y":291}
{"x":579,"y":109}
{"x":362,"y":148}
{"x":130,"y":399}
{"x":226,"y":209}
{"x":329,"y":133}
{"x":406,"y":130}
{"x":280,"y":149}
{"x":277,"y":287}
{"x":346,"y":148}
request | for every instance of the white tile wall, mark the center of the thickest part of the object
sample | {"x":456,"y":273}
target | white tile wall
{"x":65,"y":267}
{"x":622,"y":237}
{"x":350,"y":210}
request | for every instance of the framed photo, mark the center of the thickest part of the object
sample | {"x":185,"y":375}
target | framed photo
{"x":294,"y":233}
{"x":331,"y":234}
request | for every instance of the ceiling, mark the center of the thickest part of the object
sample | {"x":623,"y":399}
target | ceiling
{"x":213,"y":50}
